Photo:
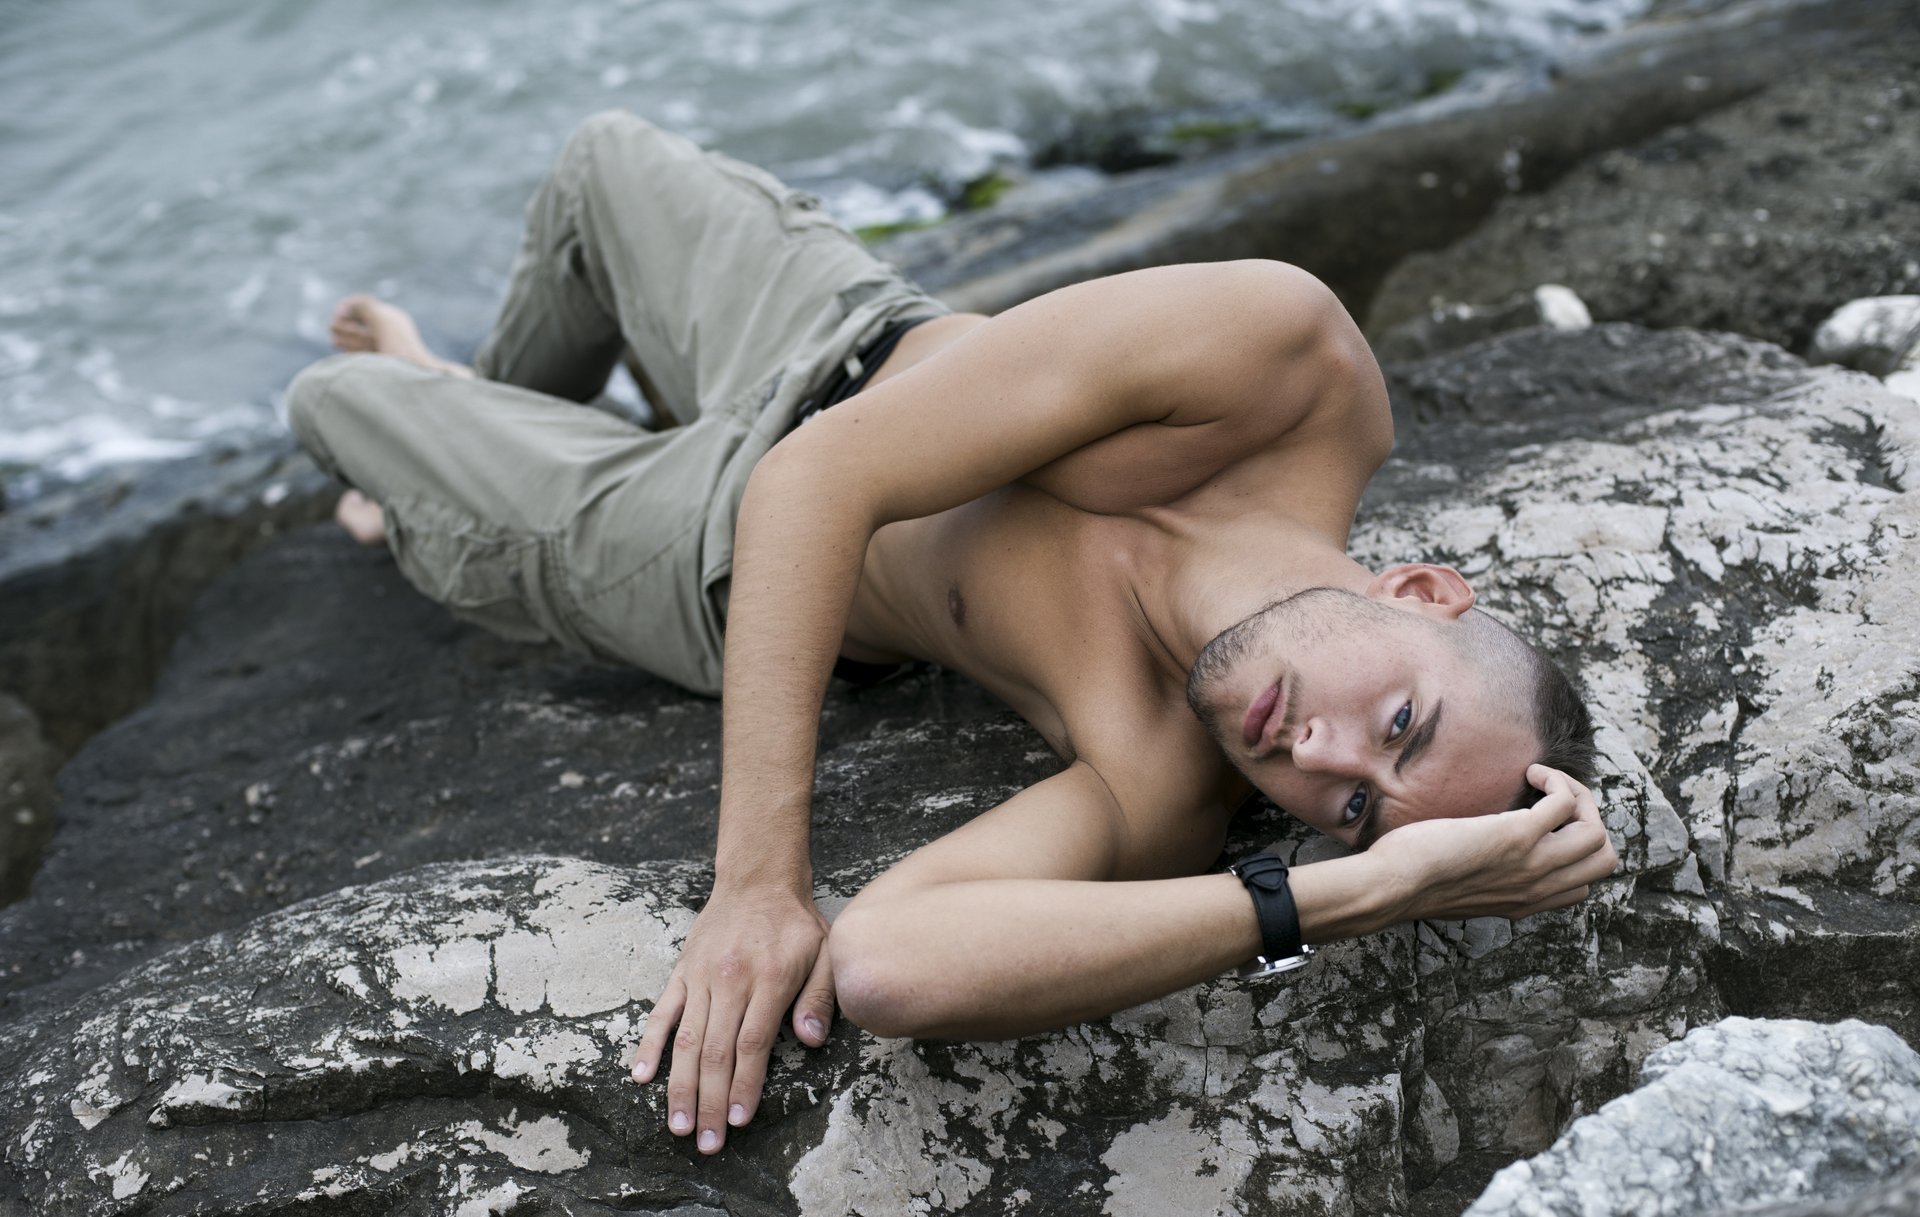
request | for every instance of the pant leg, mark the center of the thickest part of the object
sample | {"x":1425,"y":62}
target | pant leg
{"x":708,"y":270}
{"x":500,"y":503}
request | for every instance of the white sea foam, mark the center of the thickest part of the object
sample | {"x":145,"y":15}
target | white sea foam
{"x":81,"y":445}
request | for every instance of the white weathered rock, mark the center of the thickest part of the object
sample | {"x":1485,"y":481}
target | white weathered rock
{"x":1561,"y":307}
{"x":1877,"y":334}
{"x":1906,"y":382}
{"x":1740,"y":1112}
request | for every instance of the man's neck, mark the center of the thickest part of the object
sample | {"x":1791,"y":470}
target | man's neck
{"x":1194,"y":578}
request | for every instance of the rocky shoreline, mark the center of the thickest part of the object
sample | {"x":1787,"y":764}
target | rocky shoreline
{"x":313,"y":936}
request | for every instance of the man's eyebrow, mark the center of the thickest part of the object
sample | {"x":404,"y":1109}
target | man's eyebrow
{"x":1418,"y":741}
{"x":1372,"y":827}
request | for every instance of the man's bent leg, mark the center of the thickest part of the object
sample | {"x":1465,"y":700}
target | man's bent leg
{"x":499,"y":503}
{"x":712,"y":272}
{"x":553,"y":334}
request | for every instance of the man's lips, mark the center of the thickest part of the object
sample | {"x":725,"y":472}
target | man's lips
{"x":1271,"y":704}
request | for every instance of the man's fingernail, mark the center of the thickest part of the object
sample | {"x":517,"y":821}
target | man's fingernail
{"x":815,"y":1027}
{"x":709,"y":1141}
{"x":642,"y":1071}
{"x":736,"y":1115}
{"x":680,"y":1122}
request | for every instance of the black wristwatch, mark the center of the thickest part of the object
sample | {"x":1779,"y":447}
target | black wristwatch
{"x":1281,"y":950}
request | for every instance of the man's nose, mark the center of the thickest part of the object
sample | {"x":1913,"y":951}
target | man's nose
{"x":1321,"y":747}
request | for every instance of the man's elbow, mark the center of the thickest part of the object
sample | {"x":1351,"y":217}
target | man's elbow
{"x":875,"y":978}
{"x":1325,"y":357}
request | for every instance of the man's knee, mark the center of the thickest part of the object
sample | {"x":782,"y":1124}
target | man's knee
{"x":606,"y":131}
{"x":310,"y":399}
{"x":333,"y":397}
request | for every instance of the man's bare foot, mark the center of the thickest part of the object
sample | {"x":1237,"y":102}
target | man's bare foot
{"x":368,"y":323}
{"x":362,"y":518}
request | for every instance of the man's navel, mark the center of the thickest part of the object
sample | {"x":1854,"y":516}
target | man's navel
{"x":956,"y":605}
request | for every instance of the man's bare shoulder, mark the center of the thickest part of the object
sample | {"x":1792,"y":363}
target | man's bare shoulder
{"x":1248,"y":366}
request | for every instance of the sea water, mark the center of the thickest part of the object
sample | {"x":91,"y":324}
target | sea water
{"x":186,"y":188}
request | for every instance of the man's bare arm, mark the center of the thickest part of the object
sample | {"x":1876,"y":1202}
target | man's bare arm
{"x":968,"y":939}
{"x":1018,"y":392}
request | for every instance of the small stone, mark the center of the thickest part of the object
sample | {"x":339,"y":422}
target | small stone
{"x":1876,"y":335}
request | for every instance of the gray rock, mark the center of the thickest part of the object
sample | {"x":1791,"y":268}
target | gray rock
{"x":1760,"y":219}
{"x":1738,"y":1112}
{"x":1876,"y":335}
{"x":1718,"y":535}
{"x":27,"y":763}
{"x":1448,"y":326}
{"x":456,"y":1034}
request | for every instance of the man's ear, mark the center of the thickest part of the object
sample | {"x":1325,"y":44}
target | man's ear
{"x":1424,"y":588}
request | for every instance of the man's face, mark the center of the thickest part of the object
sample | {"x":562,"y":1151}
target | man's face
{"x":1356,"y":715}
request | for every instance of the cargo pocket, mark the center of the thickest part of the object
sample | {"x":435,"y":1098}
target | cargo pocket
{"x":800,"y":211}
{"x":500,"y":579}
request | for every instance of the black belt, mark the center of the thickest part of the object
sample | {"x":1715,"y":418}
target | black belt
{"x":853,"y":374}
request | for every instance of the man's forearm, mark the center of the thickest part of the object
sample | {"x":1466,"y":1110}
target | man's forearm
{"x":996,"y":958}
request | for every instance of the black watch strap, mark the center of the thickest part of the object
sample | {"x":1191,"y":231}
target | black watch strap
{"x":1265,"y":877}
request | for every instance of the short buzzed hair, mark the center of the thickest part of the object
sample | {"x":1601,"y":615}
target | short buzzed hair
{"x":1559,"y":713}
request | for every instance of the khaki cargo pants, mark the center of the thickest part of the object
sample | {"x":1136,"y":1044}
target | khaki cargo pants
{"x":542,"y":518}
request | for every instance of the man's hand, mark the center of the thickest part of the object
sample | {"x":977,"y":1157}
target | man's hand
{"x":749,"y":953}
{"x":1509,"y":864}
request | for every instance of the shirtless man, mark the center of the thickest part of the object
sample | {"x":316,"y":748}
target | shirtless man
{"x":1122,"y":507}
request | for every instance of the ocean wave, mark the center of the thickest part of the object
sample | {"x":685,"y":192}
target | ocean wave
{"x":190,"y":186}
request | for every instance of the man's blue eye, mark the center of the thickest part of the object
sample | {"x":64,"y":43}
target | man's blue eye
{"x":1356,"y":806}
{"x":1401,"y":719}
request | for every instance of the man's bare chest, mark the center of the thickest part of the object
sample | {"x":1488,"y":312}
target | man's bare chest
{"x":1024,"y":594}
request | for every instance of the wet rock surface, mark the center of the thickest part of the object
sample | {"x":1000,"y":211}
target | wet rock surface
{"x":27,"y":764}
{"x":96,"y":580}
{"x":1450,"y":326}
{"x":1760,"y":219}
{"x":290,"y":950}
{"x":1742,"y":1111}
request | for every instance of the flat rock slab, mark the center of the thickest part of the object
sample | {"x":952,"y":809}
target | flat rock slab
{"x":1721,"y":537}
